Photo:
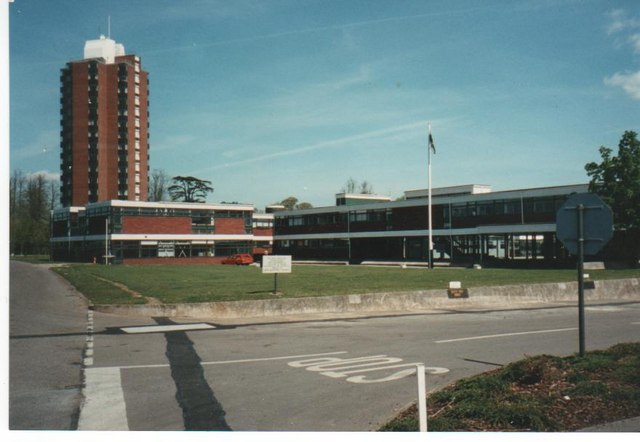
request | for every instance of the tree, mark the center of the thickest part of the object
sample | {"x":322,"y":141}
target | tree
{"x":304,"y":206}
{"x":350,"y":186}
{"x":158,"y":185}
{"x":617,"y":180}
{"x":353,"y":186}
{"x":291,"y":203}
{"x":189,"y":189}
{"x":366,"y":187}
{"x":31,"y":198}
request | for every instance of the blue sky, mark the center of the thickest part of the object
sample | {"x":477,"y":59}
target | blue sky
{"x":272,"y":98}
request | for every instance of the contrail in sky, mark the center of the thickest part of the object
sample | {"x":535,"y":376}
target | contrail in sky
{"x":322,"y":145}
{"x":195,"y":46}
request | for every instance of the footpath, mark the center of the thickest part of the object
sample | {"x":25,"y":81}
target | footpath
{"x":625,"y":426}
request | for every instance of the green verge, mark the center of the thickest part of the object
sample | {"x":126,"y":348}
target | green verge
{"x":32,"y":259}
{"x":210,"y":283}
{"x":541,"y":393}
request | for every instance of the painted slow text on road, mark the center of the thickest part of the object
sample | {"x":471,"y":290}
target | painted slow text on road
{"x":378,"y":368}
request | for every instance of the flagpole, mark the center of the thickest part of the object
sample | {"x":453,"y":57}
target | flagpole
{"x":430,"y":246}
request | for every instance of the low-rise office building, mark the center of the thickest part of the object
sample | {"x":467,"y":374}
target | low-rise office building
{"x":469,"y":223}
{"x":147,"y":232}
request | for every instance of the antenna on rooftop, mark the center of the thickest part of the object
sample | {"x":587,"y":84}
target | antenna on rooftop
{"x":109,"y":26}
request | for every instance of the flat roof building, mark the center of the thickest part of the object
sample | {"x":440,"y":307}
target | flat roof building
{"x":133,"y":232}
{"x":470,"y":223}
{"x":104,"y":136}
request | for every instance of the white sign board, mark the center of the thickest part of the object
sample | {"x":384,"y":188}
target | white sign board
{"x":276,"y":264}
{"x":166,"y":250}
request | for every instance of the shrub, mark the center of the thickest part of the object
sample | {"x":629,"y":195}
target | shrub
{"x":530,"y":371}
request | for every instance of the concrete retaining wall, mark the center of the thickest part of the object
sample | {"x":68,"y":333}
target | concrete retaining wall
{"x":480,"y":297}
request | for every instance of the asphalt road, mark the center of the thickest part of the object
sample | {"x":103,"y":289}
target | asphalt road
{"x":335,"y":375}
{"x":47,"y":334}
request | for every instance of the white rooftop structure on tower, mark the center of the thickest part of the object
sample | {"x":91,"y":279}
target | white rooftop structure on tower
{"x":103,"y":48}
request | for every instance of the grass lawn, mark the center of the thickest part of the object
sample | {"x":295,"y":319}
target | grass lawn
{"x":541,"y":393}
{"x":208,"y":283}
{"x":32,"y":259}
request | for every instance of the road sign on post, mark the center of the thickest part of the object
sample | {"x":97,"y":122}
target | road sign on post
{"x":584,"y":224}
{"x":598,"y":223}
{"x":276,"y":264}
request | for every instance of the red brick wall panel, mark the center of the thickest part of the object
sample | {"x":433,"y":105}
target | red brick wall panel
{"x":156,"y":225}
{"x":175,"y":261}
{"x":262,"y":232}
{"x":230,"y":226}
{"x":80,"y":138}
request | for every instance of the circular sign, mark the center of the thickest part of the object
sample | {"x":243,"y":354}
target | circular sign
{"x":597,"y":223}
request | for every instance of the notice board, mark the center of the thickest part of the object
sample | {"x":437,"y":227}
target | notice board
{"x":276,"y":264}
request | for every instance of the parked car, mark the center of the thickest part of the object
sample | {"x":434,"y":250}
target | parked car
{"x":238,"y":259}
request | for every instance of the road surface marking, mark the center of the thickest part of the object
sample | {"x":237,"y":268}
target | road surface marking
{"x":166,"y":328}
{"x":104,"y":407}
{"x":343,"y":368}
{"x":605,"y":308}
{"x":236,"y":361}
{"x":276,"y":358}
{"x":473,"y":338}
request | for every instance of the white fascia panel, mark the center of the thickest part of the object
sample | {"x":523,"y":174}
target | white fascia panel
{"x":483,"y":230}
{"x":159,"y":237}
{"x":170,"y":237}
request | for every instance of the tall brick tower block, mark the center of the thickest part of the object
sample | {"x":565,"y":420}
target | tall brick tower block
{"x":104,"y":117}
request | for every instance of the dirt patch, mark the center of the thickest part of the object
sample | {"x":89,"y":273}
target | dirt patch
{"x":147,"y":299}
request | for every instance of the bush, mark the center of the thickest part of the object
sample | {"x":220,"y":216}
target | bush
{"x":527,"y":395}
{"x":588,"y":388}
{"x":530,"y":371}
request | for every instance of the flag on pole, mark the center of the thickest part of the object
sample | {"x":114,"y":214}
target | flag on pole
{"x":431,"y":145}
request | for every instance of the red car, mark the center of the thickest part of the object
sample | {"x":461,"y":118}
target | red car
{"x":238,"y":259}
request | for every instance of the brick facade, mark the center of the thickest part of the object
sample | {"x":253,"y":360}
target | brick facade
{"x":156,"y":225}
{"x":104,"y":131}
{"x":173,"y":261}
{"x":262,"y":232}
{"x":230,"y":226}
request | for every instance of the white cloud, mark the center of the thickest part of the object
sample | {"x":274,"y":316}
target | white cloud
{"x":173,"y":142}
{"x":49,"y":176}
{"x":635,"y":42}
{"x":620,"y":21}
{"x":630,"y":82}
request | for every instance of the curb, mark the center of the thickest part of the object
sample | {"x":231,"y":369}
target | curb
{"x":623,"y":426}
{"x":511,"y":296}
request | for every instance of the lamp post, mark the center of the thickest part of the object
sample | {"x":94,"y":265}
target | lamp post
{"x":106,"y":241}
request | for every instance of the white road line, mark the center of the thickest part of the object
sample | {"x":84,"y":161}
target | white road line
{"x":473,"y":338}
{"x":276,"y":358}
{"x":104,"y":407}
{"x":236,"y":361}
{"x":605,"y":308}
{"x":167,"y":328}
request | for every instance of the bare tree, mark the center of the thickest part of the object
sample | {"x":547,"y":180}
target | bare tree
{"x":352,"y":186}
{"x":31,"y":198}
{"x":366,"y":187}
{"x":349,"y":186}
{"x":158,"y":185}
